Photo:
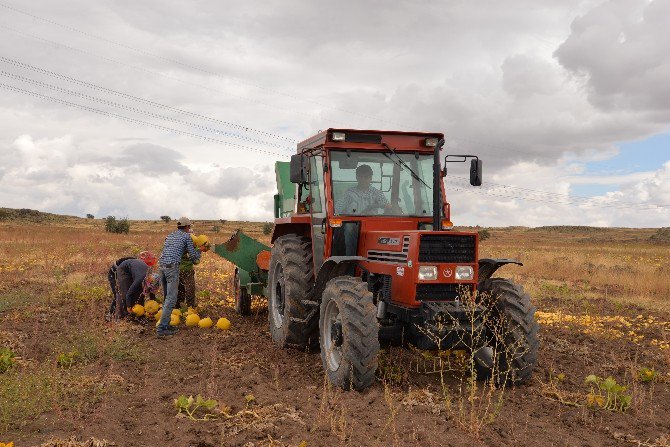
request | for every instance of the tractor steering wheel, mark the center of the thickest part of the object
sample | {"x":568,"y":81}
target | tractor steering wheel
{"x":394,"y":210}
{"x":371,"y":208}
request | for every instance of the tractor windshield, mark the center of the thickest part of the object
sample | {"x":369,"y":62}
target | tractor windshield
{"x":369,"y":183}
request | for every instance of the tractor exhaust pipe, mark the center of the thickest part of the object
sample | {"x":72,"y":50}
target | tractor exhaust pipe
{"x":437,"y":178}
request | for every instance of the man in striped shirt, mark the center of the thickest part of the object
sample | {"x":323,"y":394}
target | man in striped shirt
{"x":362,"y":199}
{"x":176,"y":244}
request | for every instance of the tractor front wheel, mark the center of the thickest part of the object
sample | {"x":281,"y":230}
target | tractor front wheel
{"x":242,"y":297}
{"x":510,"y":352}
{"x":292,"y":315}
{"x":349,"y":333}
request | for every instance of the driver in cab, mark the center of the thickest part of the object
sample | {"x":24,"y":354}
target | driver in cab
{"x":362,"y":199}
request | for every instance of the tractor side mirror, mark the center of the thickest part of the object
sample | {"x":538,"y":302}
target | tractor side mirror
{"x":476,"y":172}
{"x":298,"y":169}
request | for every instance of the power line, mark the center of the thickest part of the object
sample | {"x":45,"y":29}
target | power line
{"x":641,"y":207}
{"x":128,"y":108}
{"x":136,"y":121}
{"x":240,"y":127}
{"x":237,"y":80}
{"x":555,"y":194}
{"x":156,"y":73}
{"x":190,"y":66}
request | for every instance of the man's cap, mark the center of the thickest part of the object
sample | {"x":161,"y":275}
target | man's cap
{"x":183,"y":222}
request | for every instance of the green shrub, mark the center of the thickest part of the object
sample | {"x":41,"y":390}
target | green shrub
{"x":484,"y":234}
{"x":267,"y":227}
{"x":90,"y":216}
{"x":6,"y":359}
{"x":116,"y":226}
{"x":166,"y":219}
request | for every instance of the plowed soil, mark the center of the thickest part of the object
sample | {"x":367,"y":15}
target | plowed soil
{"x":121,"y":385}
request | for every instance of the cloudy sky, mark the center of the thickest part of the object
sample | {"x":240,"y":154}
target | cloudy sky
{"x":145,"y":108}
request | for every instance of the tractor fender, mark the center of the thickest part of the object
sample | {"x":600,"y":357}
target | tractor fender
{"x":488,"y":266}
{"x":331,"y":268}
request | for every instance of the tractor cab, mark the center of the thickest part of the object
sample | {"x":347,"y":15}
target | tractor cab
{"x":368,"y":198}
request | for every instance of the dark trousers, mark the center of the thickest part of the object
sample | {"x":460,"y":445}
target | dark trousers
{"x":111,"y":277}
{"x":123,"y":282}
{"x":186,"y":290}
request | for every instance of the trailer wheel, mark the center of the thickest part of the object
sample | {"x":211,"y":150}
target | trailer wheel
{"x":349,"y":333}
{"x":292,"y":315}
{"x":510,"y":352}
{"x":242,"y":297}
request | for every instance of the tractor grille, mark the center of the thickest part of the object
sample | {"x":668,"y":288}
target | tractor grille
{"x":393,"y":257}
{"x":441,"y":292}
{"x":447,"y":248}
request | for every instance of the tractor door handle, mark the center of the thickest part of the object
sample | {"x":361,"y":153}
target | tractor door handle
{"x":323,"y":226}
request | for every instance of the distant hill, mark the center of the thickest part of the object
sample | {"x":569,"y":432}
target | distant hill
{"x":571,"y":229}
{"x":662,"y":236}
{"x":28,"y":215}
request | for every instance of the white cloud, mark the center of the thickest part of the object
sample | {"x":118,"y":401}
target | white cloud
{"x":537,"y":88}
{"x":621,"y":47}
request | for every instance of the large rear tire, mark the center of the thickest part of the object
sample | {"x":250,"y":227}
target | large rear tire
{"x":292,"y":314}
{"x":242,"y":297}
{"x":349,"y":333}
{"x":510,"y":352}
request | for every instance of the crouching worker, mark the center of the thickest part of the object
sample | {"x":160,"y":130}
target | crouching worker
{"x":176,"y":244}
{"x":131,"y":275}
{"x":111,"y":277}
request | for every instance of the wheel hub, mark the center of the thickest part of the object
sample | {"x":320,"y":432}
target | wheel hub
{"x":277,"y":297}
{"x":279,"y":294}
{"x":336,"y":334}
{"x":332,"y":335}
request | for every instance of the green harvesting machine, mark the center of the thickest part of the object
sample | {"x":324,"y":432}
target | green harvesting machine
{"x":251,"y":257}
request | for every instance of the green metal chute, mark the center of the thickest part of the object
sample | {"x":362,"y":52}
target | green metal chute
{"x":243,"y":251}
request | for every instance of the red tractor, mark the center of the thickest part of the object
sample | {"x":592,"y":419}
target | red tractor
{"x":363,"y":246}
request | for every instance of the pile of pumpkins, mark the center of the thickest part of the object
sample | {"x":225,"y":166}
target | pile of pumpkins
{"x":191,"y":318}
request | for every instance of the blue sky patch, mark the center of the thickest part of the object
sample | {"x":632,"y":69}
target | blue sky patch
{"x":635,"y":156}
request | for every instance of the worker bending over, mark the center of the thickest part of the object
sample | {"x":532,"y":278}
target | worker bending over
{"x":131,"y":275}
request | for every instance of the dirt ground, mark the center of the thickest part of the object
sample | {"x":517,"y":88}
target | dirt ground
{"x":75,"y":375}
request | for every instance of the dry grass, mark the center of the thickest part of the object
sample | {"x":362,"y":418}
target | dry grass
{"x":621,"y":265}
{"x":57,"y":271}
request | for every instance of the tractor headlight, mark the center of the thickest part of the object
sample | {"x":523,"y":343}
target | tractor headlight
{"x":431,"y":142}
{"x":427,"y":272}
{"x":339,"y":136}
{"x":465,"y":272}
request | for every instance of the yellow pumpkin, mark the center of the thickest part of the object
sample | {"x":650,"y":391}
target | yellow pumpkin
{"x":205,"y":323}
{"x":223,"y":324}
{"x":192,"y":320}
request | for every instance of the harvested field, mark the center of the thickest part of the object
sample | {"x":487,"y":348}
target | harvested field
{"x":603,"y":299}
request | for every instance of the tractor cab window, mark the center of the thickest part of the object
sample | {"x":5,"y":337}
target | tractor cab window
{"x":316,"y":184}
{"x":367,"y":183}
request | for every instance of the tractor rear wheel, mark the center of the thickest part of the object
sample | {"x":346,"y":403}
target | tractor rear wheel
{"x":242,"y":297}
{"x":292,"y":315}
{"x":349,"y":333}
{"x":510,"y":351}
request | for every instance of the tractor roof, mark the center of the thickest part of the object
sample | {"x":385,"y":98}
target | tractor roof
{"x":370,"y":139}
